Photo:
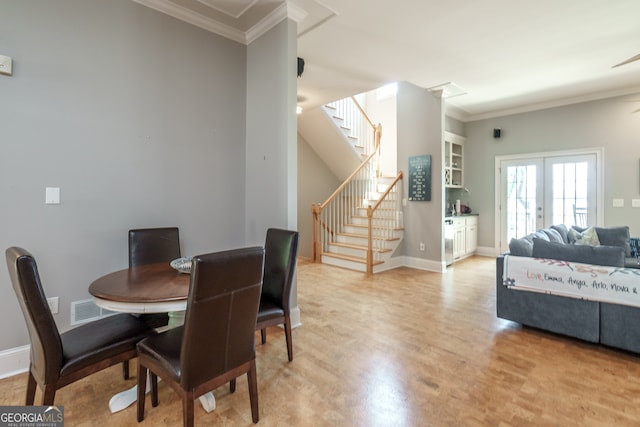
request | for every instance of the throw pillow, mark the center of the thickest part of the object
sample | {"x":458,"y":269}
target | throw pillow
{"x":587,"y":237}
{"x":553,"y":235}
{"x":562,"y":229}
{"x":612,"y":256}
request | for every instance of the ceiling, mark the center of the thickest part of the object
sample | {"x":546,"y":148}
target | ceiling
{"x":505,"y":56}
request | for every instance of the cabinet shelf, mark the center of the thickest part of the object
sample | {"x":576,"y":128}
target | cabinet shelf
{"x":453,"y":160}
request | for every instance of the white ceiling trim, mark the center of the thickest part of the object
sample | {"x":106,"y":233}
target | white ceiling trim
{"x":196,"y":19}
{"x":285,"y":10}
{"x":561,"y":102}
{"x":212,"y":5}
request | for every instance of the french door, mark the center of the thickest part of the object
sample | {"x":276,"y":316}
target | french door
{"x":536,"y":192}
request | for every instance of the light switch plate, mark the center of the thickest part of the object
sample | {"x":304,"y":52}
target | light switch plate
{"x":52,"y":195}
{"x":635,"y":203}
{"x":6,"y":66}
{"x":618,"y":203}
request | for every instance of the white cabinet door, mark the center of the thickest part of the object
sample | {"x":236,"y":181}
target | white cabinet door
{"x":471,"y":235}
{"x":459,"y":240}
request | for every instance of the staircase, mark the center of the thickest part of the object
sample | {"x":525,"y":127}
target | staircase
{"x":349,"y":247}
{"x":360,"y":225}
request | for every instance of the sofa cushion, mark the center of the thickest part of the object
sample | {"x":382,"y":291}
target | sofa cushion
{"x":615,"y":236}
{"x":632,"y":262}
{"x":562,"y":230}
{"x":521,"y":247}
{"x":612,"y":236}
{"x":612,"y":256}
{"x":539,"y":234}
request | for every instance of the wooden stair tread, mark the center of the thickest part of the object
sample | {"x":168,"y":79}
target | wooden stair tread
{"x":377,"y":228}
{"x":362,"y":247}
{"x":351,"y":258}
{"x":364,"y":236}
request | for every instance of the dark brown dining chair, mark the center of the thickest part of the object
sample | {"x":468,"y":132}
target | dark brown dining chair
{"x":280,"y":252}
{"x":216,"y":344}
{"x":150,"y":246}
{"x":56,"y":359}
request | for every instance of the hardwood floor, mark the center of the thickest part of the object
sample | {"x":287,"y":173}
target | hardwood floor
{"x":404,"y":348}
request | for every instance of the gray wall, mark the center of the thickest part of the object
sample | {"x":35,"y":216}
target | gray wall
{"x":316,"y":183}
{"x":605,"y":123}
{"x":271,"y":191}
{"x":420,"y":127}
{"x":141,"y":120}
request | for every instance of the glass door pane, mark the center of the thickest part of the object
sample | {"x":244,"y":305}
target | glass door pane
{"x":521,"y":189}
{"x":572,"y":196}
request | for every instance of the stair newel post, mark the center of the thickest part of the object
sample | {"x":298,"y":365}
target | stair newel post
{"x":370,"y":240}
{"x":316,"y":244}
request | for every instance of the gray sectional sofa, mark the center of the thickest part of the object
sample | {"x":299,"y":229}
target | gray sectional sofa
{"x":614,"y":325}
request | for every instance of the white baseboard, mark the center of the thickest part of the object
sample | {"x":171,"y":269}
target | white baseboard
{"x":487,"y":251}
{"x":295,"y":317}
{"x":422,"y":264}
{"x":14,"y":361}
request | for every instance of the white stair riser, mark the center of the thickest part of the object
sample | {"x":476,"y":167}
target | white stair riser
{"x":386,"y":204}
{"x":377,"y":222}
{"x":380,"y":213}
{"x":354,"y":252}
{"x":327,"y":259}
{"x":362,"y":231}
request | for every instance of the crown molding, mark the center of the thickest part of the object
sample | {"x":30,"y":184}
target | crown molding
{"x":285,"y":10}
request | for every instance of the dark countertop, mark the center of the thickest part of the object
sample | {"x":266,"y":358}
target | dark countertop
{"x":455,"y":216}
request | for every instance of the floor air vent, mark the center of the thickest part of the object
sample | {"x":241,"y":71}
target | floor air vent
{"x":86,"y":311}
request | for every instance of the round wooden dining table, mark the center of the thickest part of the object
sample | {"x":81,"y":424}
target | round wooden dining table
{"x":152,"y":288}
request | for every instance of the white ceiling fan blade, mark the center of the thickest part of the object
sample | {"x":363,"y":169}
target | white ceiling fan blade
{"x":632,"y":59}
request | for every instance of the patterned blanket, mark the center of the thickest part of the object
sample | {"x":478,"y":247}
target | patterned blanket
{"x":585,"y":281}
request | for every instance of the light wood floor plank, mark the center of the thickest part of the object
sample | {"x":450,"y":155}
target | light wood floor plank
{"x":404,"y":348}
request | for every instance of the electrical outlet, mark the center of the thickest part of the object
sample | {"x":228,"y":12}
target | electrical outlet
{"x":53,"y":304}
{"x":421,"y":246}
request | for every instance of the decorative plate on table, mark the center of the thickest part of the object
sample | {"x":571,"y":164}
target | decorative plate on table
{"x":183,"y":265}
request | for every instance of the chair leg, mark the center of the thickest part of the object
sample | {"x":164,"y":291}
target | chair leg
{"x":263,"y":335}
{"x":154,"y":389}
{"x":232,"y":386}
{"x":48,"y":394}
{"x":125,"y":369}
{"x":187,"y":410}
{"x":142,"y":386}
{"x":253,"y":391}
{"x":287,"y":334}
{"x":31,"y":389}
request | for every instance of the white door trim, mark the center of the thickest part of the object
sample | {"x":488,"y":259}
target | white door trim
{"x":599,"y":153}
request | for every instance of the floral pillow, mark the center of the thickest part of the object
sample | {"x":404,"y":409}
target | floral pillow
{"x":586,"y":237}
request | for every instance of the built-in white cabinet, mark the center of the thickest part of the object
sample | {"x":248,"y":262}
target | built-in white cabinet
{"x":459,"y":238}
{"x":465,"y":236}
{"x":453,"y":160}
